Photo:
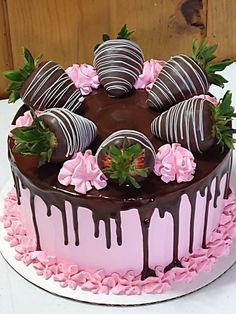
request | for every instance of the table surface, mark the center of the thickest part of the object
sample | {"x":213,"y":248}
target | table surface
{"x":19,"y":296}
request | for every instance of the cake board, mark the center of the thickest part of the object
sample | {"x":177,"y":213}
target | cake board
{"x":177,"y":290}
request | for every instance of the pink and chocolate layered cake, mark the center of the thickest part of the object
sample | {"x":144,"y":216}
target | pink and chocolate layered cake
{"x":121,"y":170}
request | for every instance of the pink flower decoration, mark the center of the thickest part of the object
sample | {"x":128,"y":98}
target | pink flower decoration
{"x":83,"y":172}
{"x":174,"y":163}
{"x":151,"y":70}
{"x":84,"y":77}
{"x":212,"y":100}
{"x":24,"y":120}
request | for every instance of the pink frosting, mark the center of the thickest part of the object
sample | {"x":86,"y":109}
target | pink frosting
{"x":174,"y":162}
{"x":24,"y":120}
{"x":83,"y":172}
{"x":151,"y":70}
{"x":71,"y":276}
{"x":212,"y":100}
{"x":84,"y":77}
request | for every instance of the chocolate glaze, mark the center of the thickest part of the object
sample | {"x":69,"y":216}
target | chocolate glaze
{"x":50,"y":86}
{"x":108,"y":203}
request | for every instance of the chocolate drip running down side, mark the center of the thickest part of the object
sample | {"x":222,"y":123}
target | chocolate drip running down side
{"x":106,"y":210}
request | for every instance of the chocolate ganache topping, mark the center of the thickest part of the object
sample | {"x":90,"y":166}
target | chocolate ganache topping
{"x":109,"y":115}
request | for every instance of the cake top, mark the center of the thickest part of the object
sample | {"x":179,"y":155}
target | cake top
{"x":124,"y":128}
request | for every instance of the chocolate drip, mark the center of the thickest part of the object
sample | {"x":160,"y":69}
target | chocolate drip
{"x":17,"y":187}
{"x":217,"y":192}
{"x":96,"y":225}
{"x":32,"y":206}
{"x":209,"y":197}
{"x":118,"y":229}
{"x":108,"y":206}
{"x":175,"y":215}
{"x":49,"y":211}
{"x":192,"y":200}
{"x":75,"y":223}
{"x":227,"y":189}
{"x":145,"y":215}
{"x":108,"y":232}
{"x":64,"y":221}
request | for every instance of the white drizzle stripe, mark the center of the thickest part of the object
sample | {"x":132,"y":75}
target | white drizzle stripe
{"x":178,"y":69}
{"x":179,"y":121}
{"x":116,"y":58}
{"x":130,"y":134}
{"x":53,"y":94}
{"x":78,"y":131}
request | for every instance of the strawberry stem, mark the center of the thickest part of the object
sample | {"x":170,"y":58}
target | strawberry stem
{"x":203,"y":53}
{"x":17,"y":78}
{"x":35,"y":140}
{"x":125,"y":164}
{"x":223,"y":114}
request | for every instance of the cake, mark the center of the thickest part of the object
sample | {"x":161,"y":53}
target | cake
{"x":90,"y":217}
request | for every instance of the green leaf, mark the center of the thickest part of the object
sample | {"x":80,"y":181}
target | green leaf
{"x":217,"y":80}
{"x":105,"y":37}
{"x":212,"y":68}
{"x":13,"y":96}
{"x":37,"y":60}
{"x":14,"y":86}
{"x":134,"y":182}
{"x":28,"y":57}
{"x":14,"y":75}
{"x":124,"y":33}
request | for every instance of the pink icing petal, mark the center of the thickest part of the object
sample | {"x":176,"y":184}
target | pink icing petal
{"x":174,"y":162}
{"x":151,"y":70}
{"x":24,"y":120}
{"x":84,"y":77}
{"x":83,"y":172}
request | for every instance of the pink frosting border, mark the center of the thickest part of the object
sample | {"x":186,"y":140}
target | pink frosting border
{"x":71,"y":276}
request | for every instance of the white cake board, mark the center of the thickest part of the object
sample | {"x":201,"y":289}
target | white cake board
{"x":178,"y":289}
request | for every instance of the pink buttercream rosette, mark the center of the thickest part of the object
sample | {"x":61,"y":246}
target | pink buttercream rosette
{"x":151,"y":70}
{"x":24,"y":120}
{"x":174,"y":162}
{"x":84,"y":77}
{"x":83,"y":172}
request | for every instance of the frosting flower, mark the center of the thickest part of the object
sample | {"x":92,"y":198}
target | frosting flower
{"x":24,"y":120}
{"x":151,"y":70}
{"x":84,"y":77}
{"x":174,"y":163}
{"x":83,"y":172}
{"x":209,"y":98}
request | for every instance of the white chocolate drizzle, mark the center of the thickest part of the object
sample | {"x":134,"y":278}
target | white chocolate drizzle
{"x":180,"y":121}
{"x":129,"y":134}
{"x":42,"y":95}
{"x":179,"y":73}
{"x":120,"y":62}
{"x":78,"y":131}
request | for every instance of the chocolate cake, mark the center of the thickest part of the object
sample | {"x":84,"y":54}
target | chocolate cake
{"x":125,"y":221}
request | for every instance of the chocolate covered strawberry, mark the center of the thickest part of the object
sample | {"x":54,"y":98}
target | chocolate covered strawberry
{"x":183,"y":77}
{"x":42,"y":85}
{"x":55,"y":135}
{"x":126,"y":157}
{"x":197,"y":124}
{"x":118,"y":63}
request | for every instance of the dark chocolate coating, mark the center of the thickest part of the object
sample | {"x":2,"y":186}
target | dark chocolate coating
{"x":50,"y":86}
{"x":118,"y":63}
{"x":181,"y":78}
{"x":189,"y":123}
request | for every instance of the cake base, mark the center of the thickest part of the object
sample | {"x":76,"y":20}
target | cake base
{"x":178,"y":289}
